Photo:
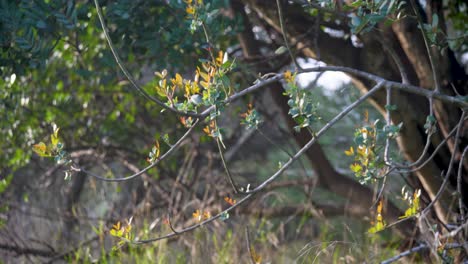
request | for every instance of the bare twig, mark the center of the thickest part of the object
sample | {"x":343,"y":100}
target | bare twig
{"x":277,"y":173}
{"x":419,"y":248}
{"x":226,"y":168}
{"x":127,"y":73}
{"x":400,"y":86}
{"x":449,"y":170}
{"x":169,"y":222}
{"x":428,"y":48}
{"x":405,"y":253}
{"x":285,"y":37}
{"x":274,"y":143}
{"x":452,"y":132}
{"x":164,"y":156}
{"x":455,"y":231}
{"x":459,"y":186}
{"x":247,"y":238}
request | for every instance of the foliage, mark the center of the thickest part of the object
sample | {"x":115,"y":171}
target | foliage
{"x":413,"y":203}
{"x":59,"y":70}
{"x":370,"y":13}
{"x":302,"y":107}
{"x":378,"y":224}
{"x":369,"y":141}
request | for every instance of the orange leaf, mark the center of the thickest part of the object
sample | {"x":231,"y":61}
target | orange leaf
{"x":230,"y":200}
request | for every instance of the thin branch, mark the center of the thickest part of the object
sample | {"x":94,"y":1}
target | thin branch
{"x":449,"y":170}
{"x":383,"y":41}
{"x":228,"y":172}
{"x":285,"y":38}
{"x":239,"y":143}
{"x":419,"y":248}
{"x":27,"y":251}
{"x":388,"y":119}
{"x":277,"y":173}
{"x":400,"y":86}
{"x":127,"y":73}
{"x":459,"y":186}
{"x":426,"y":42}
{"x":164,"y":156}
{"x":274,"y":143}
{"x":405,"y":253}
{"x":387,"y":143}
{"x":169,"y":222}
{"x":452,"y":132}
{"x":247,"y":237}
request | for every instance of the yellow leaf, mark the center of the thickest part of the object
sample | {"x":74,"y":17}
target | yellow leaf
{"x":289,"y":77}
{"x":207,"y":130}
{"x":190,"y":10}
{"x":54,"y":137}
{"x":158,"y":150}
{"x":204,"y":76}
{"x":413,"y":205}
{"x":128,"y":228}
{"x":117,"y":230}
{"x":178,"y":80}
{"x":379,"y":222}
{"x":219,"y":59}
{"x":362,"y":151}
{"x":197,"y":215}
{"x":205,"y":85}
{"x":41,"y":149}
{"x":349,"y":152}
{"x":380,"y":207}
{"x":116,"y":226}
{"x":255,"y":257}
{"x":355,"y":167}
{"x":206,"y":215}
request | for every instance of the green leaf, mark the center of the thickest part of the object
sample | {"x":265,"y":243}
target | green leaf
{"x":281,"y":50}
{"x":391,"y":107}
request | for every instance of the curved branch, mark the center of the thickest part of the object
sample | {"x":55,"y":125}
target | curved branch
{"x":127,"y":73}
{"x":449,"y":170}
{"x":164,"y":156}
{"x":277,"y":173}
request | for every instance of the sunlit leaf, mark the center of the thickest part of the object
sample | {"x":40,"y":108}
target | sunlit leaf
{"x":379,"y":223}
{"x":355,"y":167}
{"x":349,"y":152}
{"x":41,"y":149}
{"x":54,"y":137}
{"x":197,"y":215}
{"x":289,"y":77}
{"x":256,"y":258}
{"x":229,"y":200}
{"x":190,"y":10}
{"x":413,"y":204}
